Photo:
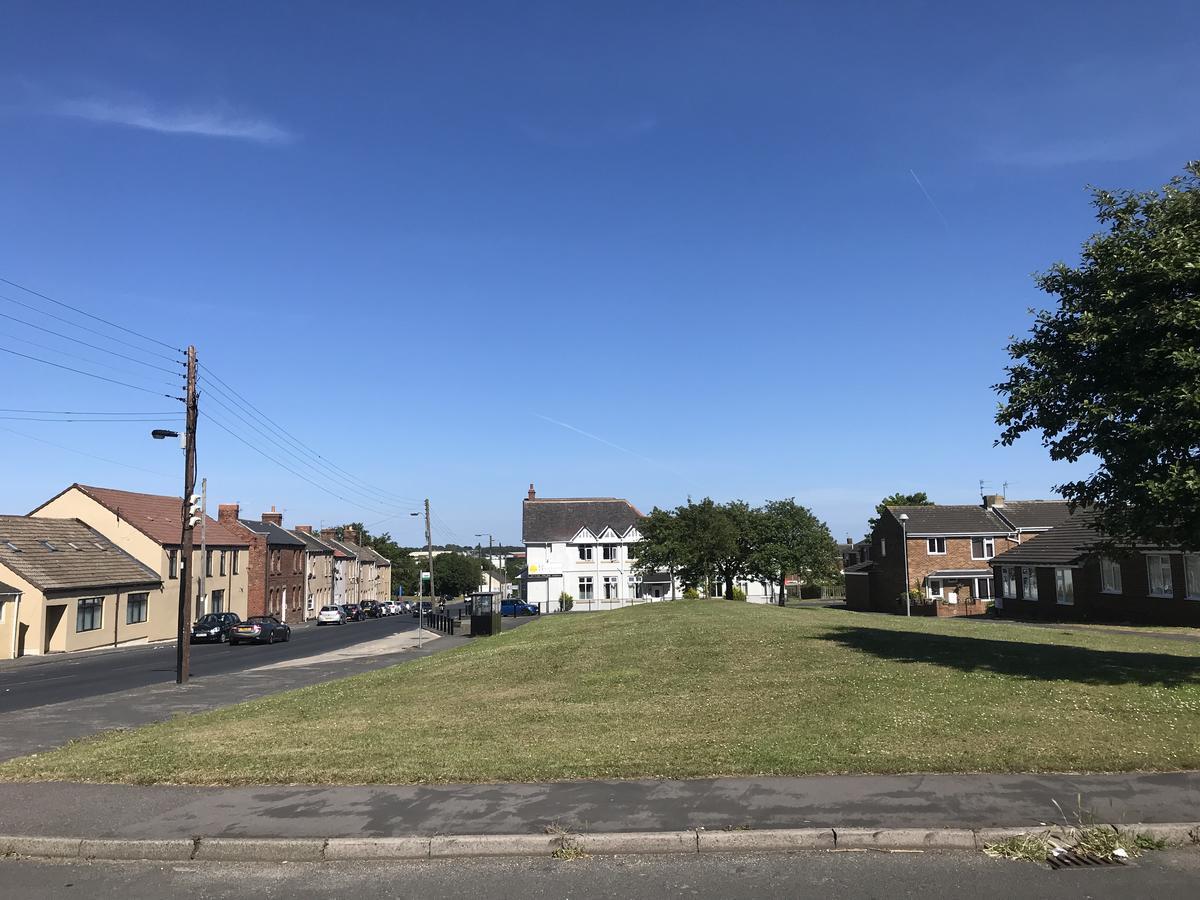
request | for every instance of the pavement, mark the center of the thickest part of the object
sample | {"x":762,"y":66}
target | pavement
{"x":735,"y":876}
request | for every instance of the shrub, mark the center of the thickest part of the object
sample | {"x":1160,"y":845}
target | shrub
{"x":565,"y":601}
{"x":739,"y":594}
{"x":691,"y":594}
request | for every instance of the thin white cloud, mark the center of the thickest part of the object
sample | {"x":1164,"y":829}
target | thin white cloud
{"x":214,"y":122}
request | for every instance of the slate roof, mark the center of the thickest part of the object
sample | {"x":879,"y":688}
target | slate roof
{"x":312,"y":544}
{"x":1035,"y":513}
{"x":362,"y":553}
{"x":340,"y":550}
{"x":276,"y":536}
{"x":157,"y":517}
{"x":1062,"y":545}
{"x":561,"y":519}
{"x":83,"y":557}
{"x":379,"y":558}
{"x":947,"y":519}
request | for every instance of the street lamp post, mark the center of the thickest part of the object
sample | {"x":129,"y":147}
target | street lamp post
{"x":904,"y":544}
{"x":421,"y":593}
{"x":489,"y":537}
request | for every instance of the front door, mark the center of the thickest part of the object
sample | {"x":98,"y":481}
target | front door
{"x":55,"y":638}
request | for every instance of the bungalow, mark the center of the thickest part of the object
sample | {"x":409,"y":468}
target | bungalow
{"x":64,"y":587}
{"x":1062,"y":575}
{"x":149,"y":527}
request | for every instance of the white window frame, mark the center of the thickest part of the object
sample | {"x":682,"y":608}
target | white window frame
{"x":1064,"y":586}
{"x":991,"y":588}
{"x":611,"y":585}
{"x":1164,"y":561}
{"x":1110,"y":575}
{"x":988,"y":543}
{"x":1029,"y":580}
{"x":610,"y":552}
{"x":1191,"y":574}
{"x":1008,"y":582}
{"x":935,"y":593}
{"x":586,"y":587}
{"x":932,"y":543}
{"x":585,"y":552}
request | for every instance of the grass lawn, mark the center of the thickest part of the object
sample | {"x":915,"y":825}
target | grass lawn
{"x":692,"y":689}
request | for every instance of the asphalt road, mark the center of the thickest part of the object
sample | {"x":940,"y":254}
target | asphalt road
{"x":30,"y":683}
{"x":728,"y":877}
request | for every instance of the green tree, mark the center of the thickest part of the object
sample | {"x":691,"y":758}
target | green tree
{"x":1114,"y":371}
{"x":918,"y":499}
{"x":455,"y":574}
{"x":790,"y":540}
{"x":709,"y":543}
{"x":661,"y":547}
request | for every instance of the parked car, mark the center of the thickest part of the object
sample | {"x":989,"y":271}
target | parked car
{"x":260,"y":630}
{"x":213,"y":627}
{"x":422,"y":606}
{"x":331,"y":615}
{"x":353,"y":612}
{"x":406,"y":606}
{"x":518,"y":608}
{"x":371,"y":609}
{"x":393,"y":608}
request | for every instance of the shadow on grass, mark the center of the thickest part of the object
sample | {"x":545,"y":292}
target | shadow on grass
{"x":1038,"y":662}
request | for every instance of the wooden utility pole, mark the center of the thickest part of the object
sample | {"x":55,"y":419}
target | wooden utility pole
{"x":191,"y":512}
{"x":429,"y":548}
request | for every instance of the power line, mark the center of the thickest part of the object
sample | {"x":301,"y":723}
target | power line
{"x":375,"y":489}
{"x":99,"y":421}
{"x":89,"y":374}
{"x":67,"y":337}
{"x":76,"y":356}
{"x":285,"y":467}
{"x":82,"y":312}
{"x":84,"y":453}
{"x":84,"y":412}
{"x":109,"y":337}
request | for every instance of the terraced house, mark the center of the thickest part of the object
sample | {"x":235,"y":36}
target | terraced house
{"x":65,"y":587}
{"x":149,"y":528}
{"x":275,"y":563}
{"x":943,"y":554}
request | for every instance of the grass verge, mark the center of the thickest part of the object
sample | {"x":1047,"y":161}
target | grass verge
{"x":693,"y":689}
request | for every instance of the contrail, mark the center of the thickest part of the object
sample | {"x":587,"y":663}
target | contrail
{"x":930,"y":199}
{"x":595,"y":437}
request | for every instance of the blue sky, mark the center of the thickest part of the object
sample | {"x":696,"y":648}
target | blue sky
{"x":753,"y":250}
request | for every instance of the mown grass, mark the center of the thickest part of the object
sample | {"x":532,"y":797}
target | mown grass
{"x":693,"y":689}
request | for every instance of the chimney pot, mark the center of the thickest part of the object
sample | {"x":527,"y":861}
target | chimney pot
{"x":532,"y":492}
{"x":307,"y":529}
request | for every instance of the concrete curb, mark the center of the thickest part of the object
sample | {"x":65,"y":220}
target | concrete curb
{"x":775,"y":840}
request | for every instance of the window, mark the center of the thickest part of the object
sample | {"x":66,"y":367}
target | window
{"x":983,"y":588}
{"x":218,"y":601}
{"x":136,"y":608}
{"x":89,"y":614}
{"x":221,"y":561}
{"x":983,"y":548}
{"x":1029,"y":583}
{"x":234,"y":554}
{"x":585,"y":588}
{"x":275,"y":569}
{"x":630,"y":554}
{"x":585,"y":554}
{"x":609,"y":553}
{"x":611,"y":589}
{"x":1008,"y":582}
{"x":1158,"y":566}
{"x":172,"y":563}
{"x":937,"y":546}
{"x":883,"y":546}
{"x":208,"y":564}
{"x":1064,"y":587}
{"x":1191,"y":569}
{"x":1110,"y":575}
{"x":935,"y":588}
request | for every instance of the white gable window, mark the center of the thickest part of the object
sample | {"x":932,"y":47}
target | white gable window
{"x":937,"y":546}
{"x":585,"y":553}
{"x":1191,"y":566}
{"x":1029,"y":583}
{"x":1064,"y":587}
{"x":609,"y":552}
{"x":1008,"y":582}
{"x":1110,"y":575}
{"x":585,"y":587}
{"x":1158,"y":568}
{"x":983,"y":548}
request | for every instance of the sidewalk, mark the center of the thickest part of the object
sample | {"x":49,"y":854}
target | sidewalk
{"x":871,"y":802}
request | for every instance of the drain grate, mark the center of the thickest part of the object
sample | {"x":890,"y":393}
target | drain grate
{"x":1061,"y":858}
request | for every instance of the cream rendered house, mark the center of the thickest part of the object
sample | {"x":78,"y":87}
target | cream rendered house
{"x":65,"y":587}
{"x":148,"y":527}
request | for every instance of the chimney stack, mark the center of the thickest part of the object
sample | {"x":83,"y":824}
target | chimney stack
{"x":307,"y":529}
{"x":351,"y":534}
{"x":532,"y":492}
{"x":328,"y":533}
{"x":228,"y":513}
{"x":275,"y":518}
{"x":991,"y":500}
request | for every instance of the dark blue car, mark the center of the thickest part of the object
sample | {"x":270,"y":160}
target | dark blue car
{"x":518,"y":608}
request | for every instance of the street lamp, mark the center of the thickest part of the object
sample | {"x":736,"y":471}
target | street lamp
{"x":159,"y":433}
{"x":904,"y":544}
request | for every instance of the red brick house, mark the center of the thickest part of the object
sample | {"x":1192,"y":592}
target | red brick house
{"x":275,"y":564}
{"x":942,"y":553}
{"x":1061,"y":576}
